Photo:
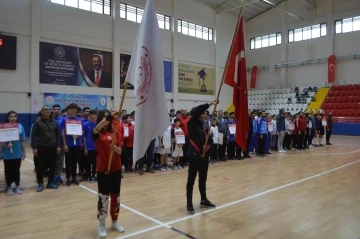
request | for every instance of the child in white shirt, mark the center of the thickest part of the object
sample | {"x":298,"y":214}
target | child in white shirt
{"x":176,"y":135}
{"x":164,"y":149}
{"x":214,"y":147}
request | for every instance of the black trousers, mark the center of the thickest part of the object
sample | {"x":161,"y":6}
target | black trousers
{"x":46,"y":160}
{"x":231,"y":149}
{"x":238,"y":151}
{"x":222,"y":149}
{"x":148,"y":157}
{"x":214,"y":151}
{"x":262,"y":142}
{"x":109,"y":183}
{"x":127,"y":158}
{"x":12,"y":171}
{"x":311,"y":136}
{"x":90,"y":167}
{"x":82,"y":161}
{"x":287,"y":141}
{"x":248,"y":143}
{"x":71,"y":159}
{"x":299,"y":140}
{"x":197,"y":164}
{"x":185,"y":158}
{"x":328,"y":135}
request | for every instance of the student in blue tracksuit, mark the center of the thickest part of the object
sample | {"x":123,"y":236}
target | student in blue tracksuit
{"x":255,"y":139}
{"x":262,"y":132}
{"x":269,"y":136}
{"x":89,"y":146}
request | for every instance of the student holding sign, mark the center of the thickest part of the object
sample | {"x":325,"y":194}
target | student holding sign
{"x":108,"y":182}
{"x":178,"y":139}
{"x":71,"y":127}
{"x":12,"y":137}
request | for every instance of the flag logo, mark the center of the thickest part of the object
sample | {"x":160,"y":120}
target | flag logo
{"x":145,"y":74}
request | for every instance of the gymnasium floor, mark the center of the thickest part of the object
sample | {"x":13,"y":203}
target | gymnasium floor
{"x":311,"y":194}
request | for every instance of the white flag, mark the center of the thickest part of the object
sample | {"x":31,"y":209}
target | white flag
{"x":146,"y":74}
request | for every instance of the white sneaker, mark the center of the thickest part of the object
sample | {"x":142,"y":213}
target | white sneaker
{"x":13,"y":185}
{"x":280,"y":151}
{"x":18,"y":190}
{"x":10,"y":192}
{"x":117,"y":227}
{"x":163,"y":169}
{"x":175,"y":167}
{"x":168,"y":169}
{"x":102,"y":231}
{"x":179,"y":167}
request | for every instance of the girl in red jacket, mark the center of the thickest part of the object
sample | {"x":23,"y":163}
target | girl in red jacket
{"x":108,"y":182}
{"x":127,"y":156}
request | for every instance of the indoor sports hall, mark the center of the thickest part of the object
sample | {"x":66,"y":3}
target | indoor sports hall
{"x":273,"y":87}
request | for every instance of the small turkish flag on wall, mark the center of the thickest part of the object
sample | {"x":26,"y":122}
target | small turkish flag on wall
{"x":331,"y":68}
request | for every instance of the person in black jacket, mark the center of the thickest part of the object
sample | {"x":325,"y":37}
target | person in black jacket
{"x":198,"y":163}
{"x":250,"y":135}
{"x":280,"y":126}
{"x":329,"y":127}
{"x":45,"y":141}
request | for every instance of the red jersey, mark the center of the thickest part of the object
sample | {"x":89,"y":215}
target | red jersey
{"x":102,"y":144}
{"x":300,"y":124}
{"x":183,"y":124}
{"x":129,"y":140}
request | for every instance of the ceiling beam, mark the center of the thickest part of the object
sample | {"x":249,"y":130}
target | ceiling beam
{"x":308,"y":3}
{"x":223,"y":5}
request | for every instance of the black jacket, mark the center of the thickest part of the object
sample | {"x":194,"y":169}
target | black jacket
{"x":251,"y":126}
{"x":105,"y":79}
{"x":280,"y":123}
{"x":197,"y":132}
{"x":330,"y":123}
{"x":45,"y":133}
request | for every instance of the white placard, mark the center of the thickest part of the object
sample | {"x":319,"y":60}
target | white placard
{"x":221,"y":138}
{"x":126,"y":132}
{"x":324,"y":123}
{"x":270,"y":127}
{"x":9,"y":132}
{"x":232,"y":128}
{"x":310,"y":124}
{"x":180,"y":139}
{"x":73,"y":127}
{"x":291,"y":126}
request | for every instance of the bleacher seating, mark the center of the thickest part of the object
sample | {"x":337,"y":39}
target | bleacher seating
{"x":343,"y":101}
{"x":272,"y":100}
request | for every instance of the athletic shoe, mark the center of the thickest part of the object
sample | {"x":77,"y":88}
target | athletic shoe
{"x":10,"y":192}
{"x":68,"y":182}
{"x":92,"y":179}
{"x":40,"y":187}
{"x":206,"y":204}
{"x":52,"y":186}
{"x":163,"y":169}
{"x":179,"y":167}
{"x":74,"y":181}
{"x":102,"y":231}
{"x":117,"y":227}
{"x":190,"y":209}
{"x":175,"y":167}
{"x":18,"y":190}
{"x":167,"y":168}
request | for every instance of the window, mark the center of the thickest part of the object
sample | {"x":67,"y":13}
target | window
{"x":194,"y":30}
{"x":347,"y":25}
{"x":135,"y":14}
{"x":265,"y":41}
{"x":306,"y":33}
{"x":98,"y":6}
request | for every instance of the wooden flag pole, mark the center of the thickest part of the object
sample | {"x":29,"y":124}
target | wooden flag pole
{"x":222,"y":82}
{"x":117,"y":125}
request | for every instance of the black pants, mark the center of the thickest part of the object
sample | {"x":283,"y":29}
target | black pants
{"x":185,"y":158}
{"x":262,"y":142}
{"x":46,"y":160}
{"x":127,"y":158}
{"x":311,"y":136}
{"x":90,"y":167}
{"x":328,"y":135}
{"x":222,"y":149}
{"x":71,"y":159}
{"x":287,"y":141}
{"x":148,"y":157}
{"x":299,"y":140}
{"x":248,"y":143}
{"x":82,"y":161}
{"x":214,"y":151}
{"x":197,"y":164}
{"x":109,"y":183}
{"x":238,"y":151}
{"x":12,"y":171}
{"x":231,"y":150}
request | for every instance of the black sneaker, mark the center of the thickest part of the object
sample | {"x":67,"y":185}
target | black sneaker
{"x":91,"y":179}
{"x":74,"y":181}
{"x":68,"y":182}
{"x":247,"y":156}
{"x":207,"y":204}
{"x":141,"y":171}
{"x":150,"y":170}
{"x":190,"y":209}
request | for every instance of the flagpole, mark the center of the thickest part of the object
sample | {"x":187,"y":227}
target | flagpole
{"x":117,"y":125}
{"x":223,"y":78}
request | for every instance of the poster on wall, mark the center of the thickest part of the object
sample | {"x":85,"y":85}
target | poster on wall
{"x":124,"y":65}
{"x":94,"y":102}
{"x":75,"y":66}
{"x":196,"y":80}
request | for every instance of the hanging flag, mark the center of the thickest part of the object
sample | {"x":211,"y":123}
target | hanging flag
{"x":253,"y":77}
{"x":331,"y":69}
{"x":235,"y":76}
{"x":146,"y":74}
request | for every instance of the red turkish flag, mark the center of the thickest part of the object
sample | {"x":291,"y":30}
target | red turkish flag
{"x":253,"y":77}
{"x":331,"y":68}
{"x":235,"y":76}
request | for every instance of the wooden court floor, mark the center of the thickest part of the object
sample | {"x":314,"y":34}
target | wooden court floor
{"x":311,"y":194}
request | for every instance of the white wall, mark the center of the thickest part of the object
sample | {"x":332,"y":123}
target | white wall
{"x":33,"y":21}
{"x":309,"y":75}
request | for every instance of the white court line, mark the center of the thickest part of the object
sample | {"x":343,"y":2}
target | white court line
{"x":239,"y":201}
{"x":300,"y":154}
